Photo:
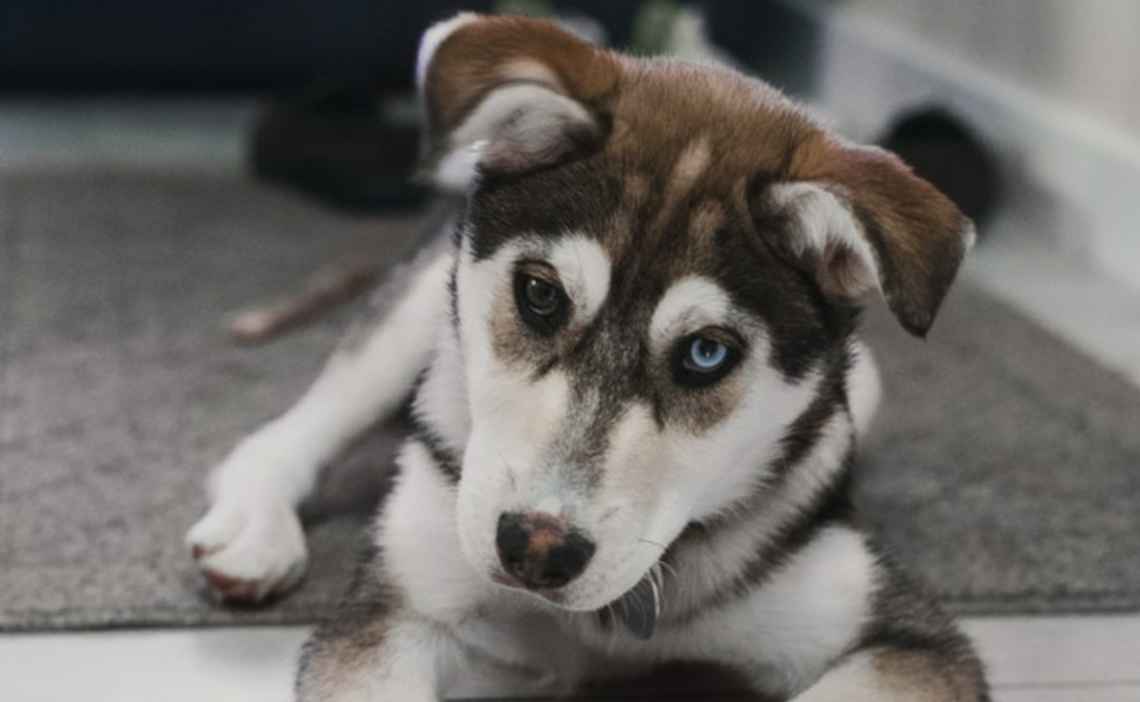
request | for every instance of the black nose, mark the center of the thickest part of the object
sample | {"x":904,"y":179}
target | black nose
{"x":539,"y":551}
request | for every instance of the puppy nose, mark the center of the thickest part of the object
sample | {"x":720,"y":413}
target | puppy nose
{"x":539,"y":551}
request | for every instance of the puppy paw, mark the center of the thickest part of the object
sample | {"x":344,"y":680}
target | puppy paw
{"x":249,"y":549}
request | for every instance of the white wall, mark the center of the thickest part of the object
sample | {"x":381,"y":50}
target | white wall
{"x":1050,"y":83}
{"x":1085,"y":53}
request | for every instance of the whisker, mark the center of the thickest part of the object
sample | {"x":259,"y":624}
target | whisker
{"x":614,"y":628}
{"x":657,"y":573}
{"x":656,"y":598}
{"x":667,"y":567}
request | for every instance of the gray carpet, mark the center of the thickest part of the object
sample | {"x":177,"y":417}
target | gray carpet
{"x":1005,"y":466}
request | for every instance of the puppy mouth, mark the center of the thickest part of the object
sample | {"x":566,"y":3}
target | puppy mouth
{"x":554,"y":596}
{"x":637,"y":610}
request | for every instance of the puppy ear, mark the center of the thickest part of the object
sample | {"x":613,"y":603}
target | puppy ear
{"x":859,"y":219}
{"x":505,"y":95}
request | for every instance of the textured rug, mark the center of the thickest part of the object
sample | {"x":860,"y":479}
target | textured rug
{"x":1005,"y":465}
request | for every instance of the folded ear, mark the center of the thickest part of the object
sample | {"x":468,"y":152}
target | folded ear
{"x":505,"y":95}
{"x":859,"y":219}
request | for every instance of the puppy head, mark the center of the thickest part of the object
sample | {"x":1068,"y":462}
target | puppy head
{"x":659,"y":264}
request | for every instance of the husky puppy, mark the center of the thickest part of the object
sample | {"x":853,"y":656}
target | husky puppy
{"x":636,"y":393}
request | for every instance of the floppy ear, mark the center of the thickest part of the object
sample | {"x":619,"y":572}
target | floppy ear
{"x":859,"y":219}
{"x":505,"y":95}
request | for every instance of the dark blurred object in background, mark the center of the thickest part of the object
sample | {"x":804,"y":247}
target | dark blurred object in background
{"x":211,"y":46}
{"x":325,"y":63}
{"x":340,"y":144}
{"x":354,"y":143}
{"x":780,"y":44}
{"x":258,"y":46}
{"x":331,"y":64}
{"x":944,"y":150}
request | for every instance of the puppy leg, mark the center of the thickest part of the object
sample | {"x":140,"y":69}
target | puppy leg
{"x":368,"y":654}
{"x":378,"y":647}
{"x":250,"y":544}
{"x":890,"y":674}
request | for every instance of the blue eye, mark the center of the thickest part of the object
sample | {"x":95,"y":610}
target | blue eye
{"x":706,"y":355}
{"x":701,"y":360}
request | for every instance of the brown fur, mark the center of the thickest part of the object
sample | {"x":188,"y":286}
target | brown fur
{"x":722,"y":132}
{"x":915,"y":676}
{"x":917,"y":233}
{"x":483,"y":55}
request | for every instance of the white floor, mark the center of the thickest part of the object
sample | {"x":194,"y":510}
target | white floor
{"x":1039,"y":659}
{"x":1047,"y":659}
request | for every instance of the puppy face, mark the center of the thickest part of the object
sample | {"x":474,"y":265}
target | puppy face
{"x":659,"y":265}
{"x":631,"y":362}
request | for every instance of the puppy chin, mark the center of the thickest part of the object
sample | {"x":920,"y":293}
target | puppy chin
{"x":590,"y":596}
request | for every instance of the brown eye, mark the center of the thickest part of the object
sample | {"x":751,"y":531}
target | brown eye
{"x":542,"y":304}
{"x":542,"y":297}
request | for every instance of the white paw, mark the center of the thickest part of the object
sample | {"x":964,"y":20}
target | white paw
{"x":249,"y":548}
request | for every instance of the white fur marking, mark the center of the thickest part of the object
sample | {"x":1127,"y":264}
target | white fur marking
{"x":691,"y":164}
{"x":712,"y":567}
{"x":442,"y":399}
{"x":813,"y":608}
{"x":864,"y":390}
{"x":825,"y":218}
{"x":689,"y":304}
{"x":805,"y":616}
{"x":433,"y":38}
{"x":550,"y":505}
{"x":585,"y":270}
{"x":517,"y":122}
{"x":421,"y":511}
